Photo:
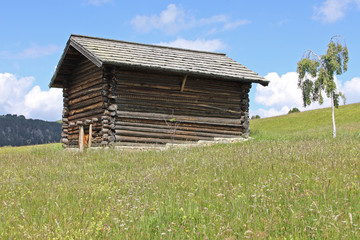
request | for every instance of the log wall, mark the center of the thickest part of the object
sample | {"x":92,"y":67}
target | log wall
{"x":158,"y":109}
{"x":83,"y":103}
{"x":131,"y":108}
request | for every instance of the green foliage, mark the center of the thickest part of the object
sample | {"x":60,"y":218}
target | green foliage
{"x":316,"y":73}
{"x":288,"y":182}
{"x":255,"y":117}
{"x":309,"y":66}
{"x":294,"y":110}
{"x":18,"y":131}
{"x":343,"y":97}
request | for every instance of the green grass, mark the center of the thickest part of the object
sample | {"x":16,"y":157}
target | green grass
{"x":314,"y":124}
{"x":291,"y":181}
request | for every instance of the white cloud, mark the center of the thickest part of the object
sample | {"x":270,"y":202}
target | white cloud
{"x":281,"y":90}
{"x":17,"y":96}
{"x":171,"y":20}
{"x":351,"y":89}
{"x":264,"y":113}
{"x":199,"y":44}
{"x":12,"y":90}
{"x":44,"y":104}
{"x":332,"y":10}
{"x":235,"y":24}
{"x":283,"y":94}
{"x":174,"y":19}
{"x":35,"y":51}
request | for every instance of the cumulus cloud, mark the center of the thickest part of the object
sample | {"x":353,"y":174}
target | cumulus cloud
{"x":44,"y":104}
{"x":17,"y":96}
{"x":12,"y":89}
{"x":199,"y":44}
{"x":332,"y":10}
{"x":283,"y":94}
{"x":174,"y":19}
{"x":171,"y":20}
{"x":35,"y":51}
{"x":352,"y":90}
{"x":281,"y":90}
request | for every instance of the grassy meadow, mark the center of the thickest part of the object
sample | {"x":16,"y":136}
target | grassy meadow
{"x":292,"y":180}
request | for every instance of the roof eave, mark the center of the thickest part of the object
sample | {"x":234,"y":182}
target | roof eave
{"x":97,"y":61}
{"x":80,"y":49}
{"x":59,"y":64}
{"x":260,"y":80}
{"x":86,"y":53}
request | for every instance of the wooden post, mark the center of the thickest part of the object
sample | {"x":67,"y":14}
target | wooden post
{"x":183,"y":84}
{"x":81,"y":138}
{"x":90,"y":135}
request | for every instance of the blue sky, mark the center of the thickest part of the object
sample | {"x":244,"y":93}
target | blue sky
{"x":269,"y":37}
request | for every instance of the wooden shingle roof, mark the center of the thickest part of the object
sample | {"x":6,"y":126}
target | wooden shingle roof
{"x":153,"y":57}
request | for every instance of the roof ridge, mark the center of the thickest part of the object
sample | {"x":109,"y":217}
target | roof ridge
{"x":148,"y":45}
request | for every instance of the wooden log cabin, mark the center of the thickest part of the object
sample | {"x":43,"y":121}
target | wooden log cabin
{"x":124,"y":93}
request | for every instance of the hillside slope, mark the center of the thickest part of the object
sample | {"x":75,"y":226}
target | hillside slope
{"x":314,"y":123}
{"x":18,"y":131}
{"x":291,"y":181}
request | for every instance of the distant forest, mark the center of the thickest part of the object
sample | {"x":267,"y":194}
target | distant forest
{"x":18,"y":131}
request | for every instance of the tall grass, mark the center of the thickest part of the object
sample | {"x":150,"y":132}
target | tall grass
{"x":281,"y":184}
{"x":309,"y":124}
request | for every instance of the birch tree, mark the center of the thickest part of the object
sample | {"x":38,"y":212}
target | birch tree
{"x":317,"y":74}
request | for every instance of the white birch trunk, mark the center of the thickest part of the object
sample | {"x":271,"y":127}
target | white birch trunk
{"x":333,"y":115}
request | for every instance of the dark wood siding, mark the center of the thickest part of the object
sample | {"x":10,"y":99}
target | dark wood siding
{"x":152,"y":109}
{"x":84,"y":100}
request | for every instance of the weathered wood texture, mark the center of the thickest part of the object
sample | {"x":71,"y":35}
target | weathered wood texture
{"x":132,"y":94}
{"x":150,"y":108}
{"x":84,"y":102}
{"x":157,"y":108}
{"x":96,"y":135}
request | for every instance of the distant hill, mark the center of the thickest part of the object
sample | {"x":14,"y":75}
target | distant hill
{"x":18,"y":131}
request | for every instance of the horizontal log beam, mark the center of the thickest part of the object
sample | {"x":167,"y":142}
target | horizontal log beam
{"x":94,"y":89}
{"x":161,"y":135}
{"x":87,"y":115}
{"x":189,"y":91}
{"x":86,"y":109}
{"x":146,"y":140}
{"x":163,"y":106}
{"x":83,"y":98}
{"x":211,"y":129}
{"x":97,"y":101}
{"x":179,"y":118}
{"x":174,"y":131}
{"x":84,"y":87}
